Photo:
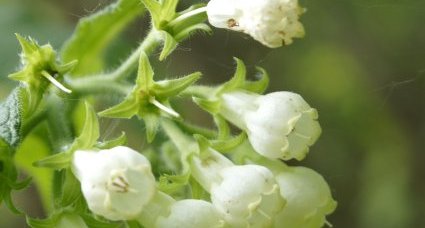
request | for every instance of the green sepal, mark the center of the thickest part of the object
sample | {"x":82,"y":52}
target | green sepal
{"x":259,"y":86}
{"x":238,"y":78}
{"x":133,"y":224}
{"x":70,"y":189}
{"x":37,"y":60}
{"x":172,"y":26}
{"x":171,"y":183}
{"x":126,"y":109}
{"x":211,"y":106}
{"x":203,"y":143}
{"x":172,"y":87}
{"x":41,"y":223}
{"x":145,"y":73}
{"x":161,"y":11}
{"x":228,"y":144}
{"x":223,"y":127}
{"x":152,"y":124}
{"x":86,"y":140}
{"x":149,"y":100}
{"x":96,"y":32}
{"x":170,"y":44}
{"x":188,"y":31}
{"x":95,"y":222}
{"x":119,"y":141}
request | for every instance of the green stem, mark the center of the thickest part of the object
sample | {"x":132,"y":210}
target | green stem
{"x":180,"y":140}
{"x":198,"y":91}
{"x":97,"y":85}
{"x":33,"y":122}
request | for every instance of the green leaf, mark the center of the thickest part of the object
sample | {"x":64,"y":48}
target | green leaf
{"x":170,"y":88}
{"x":34,"y":148}
{"x":11,"y":117}
{"x":95,"y":32}
{"x":86,"y":140}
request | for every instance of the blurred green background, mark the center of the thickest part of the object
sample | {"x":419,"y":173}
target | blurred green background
{"x":361,"y":64}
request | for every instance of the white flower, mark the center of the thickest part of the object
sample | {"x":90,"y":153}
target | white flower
{"x":245,"y":195}
{"x":279,"y":125}
{"x":272,"y":22}
{"x":308,"y":198}
{"x":248,"y":196}
{"x":191,"y":213}
{"x":116,"y":183}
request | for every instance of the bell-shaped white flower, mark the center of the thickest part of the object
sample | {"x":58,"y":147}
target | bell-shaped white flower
{"x":279,"y":125}
{"x":116,"y":183}
{"x":191,"y":213}
{"x":246,"y":195}
{"x":272,"y":22}
{"x":308,"y":198}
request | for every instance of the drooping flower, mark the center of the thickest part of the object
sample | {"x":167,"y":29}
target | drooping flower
{"x":308,"y":197}
{"x":191,"y":213}
{"x":245,"y":195}
{"x":116,"y":183}
{"x":279,"y":125}
{"x":272,"y":22}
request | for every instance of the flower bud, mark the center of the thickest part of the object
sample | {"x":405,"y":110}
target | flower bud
{"x":248,"y":196}
{"x":191,"y":214}
{"x":308,"y":198}
{"x":116,"y":183}
{"x":272,"y":22}
{"x":279,"y":125}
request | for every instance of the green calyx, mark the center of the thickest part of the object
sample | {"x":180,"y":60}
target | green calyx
{"x":40,"y":66}
{"x":150,"y":99}
{"x":173,"y":26}
{"x":211,"y":103}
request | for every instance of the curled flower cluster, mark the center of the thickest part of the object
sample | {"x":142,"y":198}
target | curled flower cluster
{"x":272,"y":22}
{"x":118,"y":184}
{"x":190,"y":182}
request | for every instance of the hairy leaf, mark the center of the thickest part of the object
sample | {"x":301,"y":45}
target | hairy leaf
{"x":95,"y":32}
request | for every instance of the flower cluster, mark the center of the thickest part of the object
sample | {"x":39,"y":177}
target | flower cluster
{"x":190,"y":177}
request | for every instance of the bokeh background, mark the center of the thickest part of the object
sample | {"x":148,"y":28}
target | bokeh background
{"x":361,"y":64}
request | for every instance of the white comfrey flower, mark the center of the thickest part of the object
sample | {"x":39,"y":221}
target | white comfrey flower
{"x":272,"y":22}
{"x":245,"y":195}
{"x":308,"y":197}
{"x":116,"y":183}
{"x":279,"y":125}
{"x":191,"y":213}
{"x":248,"y":196}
